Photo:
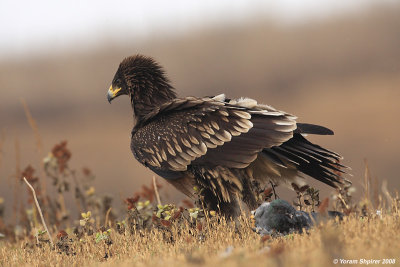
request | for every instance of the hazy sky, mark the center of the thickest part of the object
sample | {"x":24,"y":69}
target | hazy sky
{"x":33,"y":25}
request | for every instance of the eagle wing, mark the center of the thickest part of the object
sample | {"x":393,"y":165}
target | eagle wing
{"x":209,"y":131}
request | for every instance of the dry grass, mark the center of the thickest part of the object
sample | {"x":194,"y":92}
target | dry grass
{"x":152,"y":234}
{"x":373,"y":237}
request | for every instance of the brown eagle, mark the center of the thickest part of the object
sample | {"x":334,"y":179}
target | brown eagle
{"x":223,"y":147}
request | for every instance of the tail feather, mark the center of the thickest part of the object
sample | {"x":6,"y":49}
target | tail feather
{"x":310,"y":159}
{"x":307,"y":128}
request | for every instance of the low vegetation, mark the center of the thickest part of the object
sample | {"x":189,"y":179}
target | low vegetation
{"x":153,"y":233}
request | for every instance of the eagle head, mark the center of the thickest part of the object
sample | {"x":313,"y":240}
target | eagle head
{"x":144,"y":80}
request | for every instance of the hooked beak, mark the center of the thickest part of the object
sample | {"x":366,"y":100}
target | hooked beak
{"x":112,"y":93}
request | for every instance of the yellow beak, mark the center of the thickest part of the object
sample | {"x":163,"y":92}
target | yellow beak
{"x":112,"y":93}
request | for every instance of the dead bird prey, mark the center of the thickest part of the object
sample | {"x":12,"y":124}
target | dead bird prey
{"x":227,"y":148}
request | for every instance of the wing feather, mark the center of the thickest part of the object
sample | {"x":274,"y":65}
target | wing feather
{"x":205,"y":130}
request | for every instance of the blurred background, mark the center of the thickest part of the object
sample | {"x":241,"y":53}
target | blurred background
{"x":334,"y":63}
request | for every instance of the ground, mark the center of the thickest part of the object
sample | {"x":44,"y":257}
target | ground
{"x":363,"y":239}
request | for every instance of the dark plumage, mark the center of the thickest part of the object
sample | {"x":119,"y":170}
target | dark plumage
{"x":223,"y":146}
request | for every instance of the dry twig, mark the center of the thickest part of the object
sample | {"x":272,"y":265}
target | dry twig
{"x":39,"y":145}
{"x":156,"y":191}
{"x":40,"y":211}
{"x":107,"y":215}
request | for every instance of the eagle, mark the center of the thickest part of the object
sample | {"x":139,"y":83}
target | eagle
{"x":219,"y":148}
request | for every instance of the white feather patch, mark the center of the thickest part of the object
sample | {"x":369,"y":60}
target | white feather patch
{"x":220,"y":97}
{"x":246,"y":102}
